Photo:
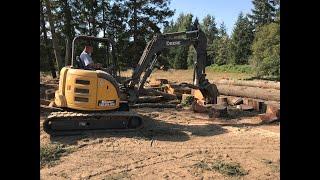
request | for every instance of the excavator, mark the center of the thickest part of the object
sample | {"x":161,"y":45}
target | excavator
{"x":93,"y":99}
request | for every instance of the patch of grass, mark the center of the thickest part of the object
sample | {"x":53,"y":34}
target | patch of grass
{"x":230,"y":169}
{"x":232,"y":68}
{"x":50,"y":153}
{"x":188,"y":101}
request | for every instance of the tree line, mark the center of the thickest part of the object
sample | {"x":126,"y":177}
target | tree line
{"x":255,"y":38}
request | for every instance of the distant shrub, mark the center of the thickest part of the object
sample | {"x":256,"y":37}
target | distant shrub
{"x":232,"y":68}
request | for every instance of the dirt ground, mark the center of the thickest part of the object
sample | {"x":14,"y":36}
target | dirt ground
{"x":174,"y":144}
{"x":169,"y":147}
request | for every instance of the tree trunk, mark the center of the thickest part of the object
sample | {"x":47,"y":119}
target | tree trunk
{"x":261,"y":84}
{"x":54,"y":36}
{"x":69,"y":31}
{"x":44,"y":31}
{"x":250,"y":92}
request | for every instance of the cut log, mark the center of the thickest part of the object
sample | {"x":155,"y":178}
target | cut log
{"x":268,"y":118}
{"x":157,"y":82}
{"x":236,"y":101}
{"x":244,"y":107}
{"x":153,"y":105}
{"x":199,"y":108}
{"x":150,"y":99}
{"x":260,"y":84}
{"x":177,"y":90}
{"x":250,"y":92}
{"x":257,"y":105}
{"x":273,"y":109}
{"x":45,"y":108}
{"x":218,"y":111}
{"x":222,"y":100}
{"x":153,"y":92}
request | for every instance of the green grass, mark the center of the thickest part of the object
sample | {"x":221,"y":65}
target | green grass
{"x":229,"y":169}
{"x":51,"y":153}
{"x":188,"y":101}
{"x":232,"y":68}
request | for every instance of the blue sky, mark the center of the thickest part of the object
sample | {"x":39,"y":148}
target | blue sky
{"x":223,"y":10}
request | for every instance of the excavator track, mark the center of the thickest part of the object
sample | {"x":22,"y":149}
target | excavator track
{"x":71,"y":123}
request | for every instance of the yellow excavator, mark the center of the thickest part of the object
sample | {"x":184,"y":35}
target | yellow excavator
{"x":91,"y":99}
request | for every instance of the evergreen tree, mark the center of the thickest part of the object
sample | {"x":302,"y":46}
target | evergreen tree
{"x":178,"y":56}
{"x":143,"y":19}
{"x":208,"y":26}
{"x":266,"y":50}
{"x":263,"y":12}
{"x":221,"y":45}
{"x":222,"y":31}
{"x":241,"y":42}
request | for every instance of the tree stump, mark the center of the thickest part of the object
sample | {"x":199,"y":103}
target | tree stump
{"x":222,"y":101}
{"x":244,"y":107}
{"x":273,"y":110}
{"x":198,"y":107}
{"x":257,"y":105}
{"x":218,"y":110}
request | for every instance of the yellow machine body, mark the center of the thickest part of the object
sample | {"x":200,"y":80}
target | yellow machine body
{"x":87,"y":90}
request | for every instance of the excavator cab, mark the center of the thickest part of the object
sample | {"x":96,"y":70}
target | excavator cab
{"x":83,"y":88}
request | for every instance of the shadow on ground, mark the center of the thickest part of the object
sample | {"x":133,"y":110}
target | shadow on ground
{"x":153,"y":130}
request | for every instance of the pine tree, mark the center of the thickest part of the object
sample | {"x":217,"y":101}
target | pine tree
{"x":266,"y":50}
{"x":241,"y":42}
{"x":263,"y":12}
{"x":144,"y":18}
{"x":208,"y":26}
{"x":178,"y":56}
{"x":221,"y":45}
{"x":45,"y":43}
{"x":222,"y":31}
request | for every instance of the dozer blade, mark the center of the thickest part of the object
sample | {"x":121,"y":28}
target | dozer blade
{"x":70,"y":123}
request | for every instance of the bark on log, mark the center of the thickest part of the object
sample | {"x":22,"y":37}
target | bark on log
{"x":153,"y":105}
{"x":261,"y":84}
{"x":149,"y":99}
{"x":153,"y":92}
{"x":250,"y":92}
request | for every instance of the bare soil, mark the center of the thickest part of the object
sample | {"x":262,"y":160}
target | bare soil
{"x":174,"y":144}
{"x":169,"y":147}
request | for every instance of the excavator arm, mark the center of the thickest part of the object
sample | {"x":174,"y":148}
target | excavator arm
{"x":157,"y":44}
{"x":168,"y":40}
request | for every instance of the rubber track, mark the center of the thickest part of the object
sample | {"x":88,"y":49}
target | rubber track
{"x":90,"y":117}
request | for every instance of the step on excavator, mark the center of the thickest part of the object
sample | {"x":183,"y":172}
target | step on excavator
{"x":93,"y":99}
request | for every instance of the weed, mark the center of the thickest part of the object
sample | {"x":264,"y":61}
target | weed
{"x":230,"y":169}
{"x":50,"y":153}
